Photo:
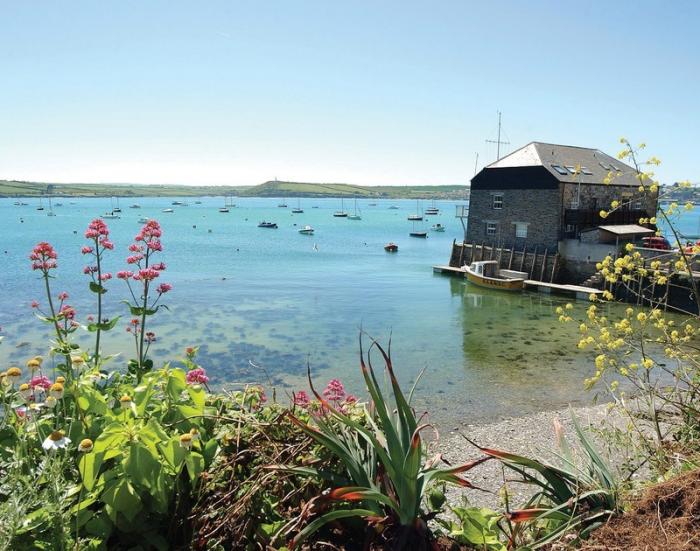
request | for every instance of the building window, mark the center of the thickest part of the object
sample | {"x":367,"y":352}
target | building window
{"x":570,"y":228}
{"x":498,"y":201}
{"x":574,"y":204}
{"x":490,"y":228}
{"x":638,"y":204}
{"x":520,"y":229}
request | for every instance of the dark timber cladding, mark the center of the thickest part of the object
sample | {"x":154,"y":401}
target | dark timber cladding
{"x":544,"y":193}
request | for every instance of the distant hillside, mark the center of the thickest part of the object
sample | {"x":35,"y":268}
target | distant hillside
{"x":302,"y":189}
{"x":15,"y":188}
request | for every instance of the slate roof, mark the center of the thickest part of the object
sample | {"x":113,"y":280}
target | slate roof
{"x":595,"y":165}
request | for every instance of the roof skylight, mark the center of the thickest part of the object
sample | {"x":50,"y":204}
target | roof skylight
{"x":584,"y":170}
{"x":571,"y":169}
{"x":560,"y":169}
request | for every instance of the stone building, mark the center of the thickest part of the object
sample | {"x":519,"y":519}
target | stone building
{"x":543,"y":194}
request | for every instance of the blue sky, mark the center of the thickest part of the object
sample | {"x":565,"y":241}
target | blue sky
{"x":360,"y":92}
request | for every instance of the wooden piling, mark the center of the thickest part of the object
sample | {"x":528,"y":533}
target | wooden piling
{"x":510,"y":260}
{"x":554,"y":267}
{"x":544,"y":265}
{"x":522,"y":258}
{"x":461,"y":256}
{"x":531,"y":271}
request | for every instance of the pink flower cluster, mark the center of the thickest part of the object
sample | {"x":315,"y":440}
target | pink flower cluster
{"x":41,"y":382}
{"x":197,"y":376}
{"x":146,"y":242}
{"x":301,"y":399}
{"x":43,"y":257}
{"x":334,"y":391}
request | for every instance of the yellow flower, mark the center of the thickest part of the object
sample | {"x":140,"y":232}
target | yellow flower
{"x":56,"y":391}
{"x":186,"y":440}
{"x":13,"y":374}
{"x":85,"y":445}
{"x":615,"y":204}
{"x":614,"y":385}
{"x":61,"y":379}
{"x":125,"y":401}
{"x":629,"y":247}
{"x":51,"y":401}
{"x":689,"y":206}
{"x":569,"y":306}
{"x":648,"y":363}
{"x":652,"y":220}
{"x":195,"y":434}
{"x":25,"y":391}
{"x":33,"y":364}
{"x":603,"y":214}
{"x":641,"y":317}
{"x":583,"y":328}
{"x":77,"y":360}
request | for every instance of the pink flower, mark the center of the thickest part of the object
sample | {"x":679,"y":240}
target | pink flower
{"x":124,"y":274}
{"x":35,"y":304}
{"x":43,"y":257}
{"x":150,"y":337}
{"x":301,"y":399}
{"x":91,"y":318}
{"x":160,"y":266}
{"x":134,"y":248}
{"x":197,"y":376}
{"x":154,"y":245}
{"x":106,"y":277}
{"x":89,"y":270}
{"x":350,"y":399}
{"x":40,"y":381}
{"x":97,"y":228}
{"x":134,"y":259}
{"x":62,"y":296}
{"x":106,"y":243}
{"x":68,"y":312}
{"x":164,"y":288}
{"x":334,"y":391}
{"x":147,"y":274}
{"x":87,"y":250}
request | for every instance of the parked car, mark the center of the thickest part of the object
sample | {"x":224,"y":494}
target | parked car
{"x":656,"y":242}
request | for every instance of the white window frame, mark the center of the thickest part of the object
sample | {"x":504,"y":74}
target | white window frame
{"x":491,"y":228}
{"x":497,"y":201}
{"x":521,"y":230}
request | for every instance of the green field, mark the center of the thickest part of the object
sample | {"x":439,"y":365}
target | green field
{"x":13,"y":188}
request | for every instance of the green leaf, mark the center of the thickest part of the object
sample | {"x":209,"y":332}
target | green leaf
{"x":123,"y":499}
{"x":89,"y":467}
{"x":210,"y":450}
{"x":195,"y":465}
{"x":142,"y":465}
{"x":333,"y":515}
{"x":97,"y":288}
{"x":103,"y":326}
{"x":99,"y":525}
{"x":173,"y":453}
{"x":112,"y":436}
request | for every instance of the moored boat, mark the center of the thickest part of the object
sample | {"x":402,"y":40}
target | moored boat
{"x":437,"y":227}
{"x":307,"y":230}
{"x":486,"y":273}
{"x":264,"y":224}
{"x":421,"y":234}
{"x":391,"y":247}
{"x":168,"y":210}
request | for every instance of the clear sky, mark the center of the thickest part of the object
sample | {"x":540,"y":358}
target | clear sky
{"x":363,"y":92}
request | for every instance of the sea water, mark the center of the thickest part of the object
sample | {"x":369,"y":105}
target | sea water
{"x":263,"y":304}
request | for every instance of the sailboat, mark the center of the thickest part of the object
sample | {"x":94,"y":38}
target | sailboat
{"x":41,"y":205}
{"x":51,"y":212}
{"x":298,"y":210}
{"x":355,"y":216}
{"x":117,"y":208}
{"x":414,"y":233}
{"x":227,"y":203}
{"x":432,"y":210}
{"x":341,"y":213}
{"x":418,"y":215}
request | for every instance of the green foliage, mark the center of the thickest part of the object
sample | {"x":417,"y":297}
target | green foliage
{"x":382,"y":454}
{"x":476,"y":527}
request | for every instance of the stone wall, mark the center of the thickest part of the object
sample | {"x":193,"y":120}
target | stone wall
{"x":599,"y":197}
{"x":540,"y":209}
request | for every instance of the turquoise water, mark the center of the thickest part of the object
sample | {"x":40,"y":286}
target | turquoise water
{"x":263,"y":302}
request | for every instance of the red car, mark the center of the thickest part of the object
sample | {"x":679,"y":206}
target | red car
{"x":656,"y":242}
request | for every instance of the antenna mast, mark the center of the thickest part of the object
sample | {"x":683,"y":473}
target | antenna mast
{"x":476,"y":163}
{"x":498,"y":141}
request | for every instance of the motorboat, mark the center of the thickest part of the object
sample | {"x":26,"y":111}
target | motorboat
{"x":391,"y":247}
{"x":110,"y":216}
{"x":393,"y":207}
{"x":135,"y":206}
{"x":264,"y":224}
{"x":224,"y":209}
{"x":306,"y":230}
{"x":486,"y":273}
{"x":168,"y":211}
{"x":421,"y":234}
{"x":143,"y":220}
{"x":437,"y":227}
{"x":415,"y":217}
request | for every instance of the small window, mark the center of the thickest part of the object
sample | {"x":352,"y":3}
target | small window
{"x":570,"y":228}
{"x":584,"y":170}
{"x":520,"y":229}
{"x":638,"y":204}
{"x":498,"y":201}
{"x":490,"y":228}
{"x":560,"y":169}
{"x":574,"y":204}
{"x":571,"y":169}
{"x":613,"y":167}
{"x":605,"y":166}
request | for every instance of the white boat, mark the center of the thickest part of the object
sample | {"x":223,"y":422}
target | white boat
{"x":282,"y":205}
{"x":307,"y":230}
{"x":135,"y":206}
{"x":41,"y":205}
{"x":355,"y":216}
{"x":437,"y":227}
{"x":167,"y":210}
{"x":51,"y":212}
{"x":393,"y":207}
{"x":486,"y":273}
{"x":418,"y":215}
{"x":116,"y":208}
{"x":110,"y":216}
{"x":224,"y":210}
{"x":418,"y":233}
{"x":143,"y":220}
{"x":432,"y":210}
{"x":341,"y":213}
{"x":298,"y":210}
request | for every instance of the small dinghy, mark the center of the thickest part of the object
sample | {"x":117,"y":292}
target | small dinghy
{"x":486,"y":273}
